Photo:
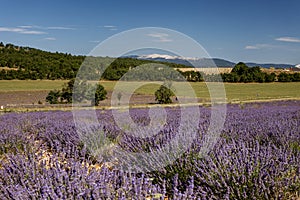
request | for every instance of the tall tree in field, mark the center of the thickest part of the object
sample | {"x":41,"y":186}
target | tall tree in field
{"x":100,"y":95}
{"x":164,"y":93}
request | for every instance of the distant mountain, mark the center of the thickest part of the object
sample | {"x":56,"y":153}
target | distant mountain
{"x":188,"y":61}
{"x":269,"y":65}
{"x":203,"y":62}
{"x":163,"y":58}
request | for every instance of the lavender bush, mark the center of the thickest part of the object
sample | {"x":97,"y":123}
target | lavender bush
{"x":257,"y":157}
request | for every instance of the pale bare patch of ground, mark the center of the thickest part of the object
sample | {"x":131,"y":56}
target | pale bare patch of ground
{"x":211,"y":70}
{"x":277,"y":71}
{"x":22,"y":97}
{"x":9,"y":68}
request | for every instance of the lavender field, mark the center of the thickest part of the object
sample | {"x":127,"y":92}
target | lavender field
{"x":257,"y":156}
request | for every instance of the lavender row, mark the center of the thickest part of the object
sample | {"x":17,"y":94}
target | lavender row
{"x":257,"y":156}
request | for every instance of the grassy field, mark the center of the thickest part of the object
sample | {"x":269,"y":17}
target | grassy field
{"x":234,"y":91}
{"x":258,"y":91}
{"x":29,"y":85}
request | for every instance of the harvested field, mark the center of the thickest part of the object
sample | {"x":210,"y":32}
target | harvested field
{"x":207,"y":70}
{"x":12,"y":98}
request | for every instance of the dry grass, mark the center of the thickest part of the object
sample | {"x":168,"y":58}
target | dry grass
{"x":8,"y":68}
{"x":30,"y":85}
{"x":277,"y":71}
{"x":212,"y":70}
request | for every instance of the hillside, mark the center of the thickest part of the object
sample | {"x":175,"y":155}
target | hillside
{"x":195,"y":62}
{"x":206,"y":62}
{"x":29,"y":63}
{"x":271,"y":65}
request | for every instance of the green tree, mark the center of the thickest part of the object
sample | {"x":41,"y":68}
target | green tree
{"x":284,"y":77}
{"x":77,"y":91}
{"x":296,"y":77}
{"x":81,"y":91}
{"x":53,"y":97}
{"x":164,"y":93}
{"x":240,"y":68}
{"x":270,"y":77}
{"x":100,"y":95}
{"x":66,"y":92}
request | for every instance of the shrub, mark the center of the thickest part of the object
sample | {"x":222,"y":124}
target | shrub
{"x":164,"y":93}
{"x":77,"y":91}
{"x":53,"y":97}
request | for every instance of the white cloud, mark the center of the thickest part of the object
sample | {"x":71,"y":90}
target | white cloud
{"x":110,"y":27}
{"x":288,"y":39}
{"x":164,"y":40}
{"x":260,"y":46}
{"x":7,"y":29}
{"x":59,"y":28}
{"x":33,"y":32}
{"x":50,"y":38}
{"x":160,"y":37}
{"x":21,"y":30}
{"x":46,"y":27}
{"x":251,"y":47}
{"x":25,"y":26}
{"x":95,"y":41}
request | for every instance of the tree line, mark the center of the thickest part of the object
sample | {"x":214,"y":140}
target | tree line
{"x":241,"y":73}
{"x":77,"y":92}
{"x":30,"y":63}
{"x":81,"y":91}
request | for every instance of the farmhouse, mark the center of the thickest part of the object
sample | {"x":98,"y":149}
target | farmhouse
{"x":296,"y":68}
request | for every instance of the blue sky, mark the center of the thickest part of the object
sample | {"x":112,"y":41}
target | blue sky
{"x":259,"y":30}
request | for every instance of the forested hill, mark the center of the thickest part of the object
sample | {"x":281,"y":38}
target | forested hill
{"x":30,"y":63}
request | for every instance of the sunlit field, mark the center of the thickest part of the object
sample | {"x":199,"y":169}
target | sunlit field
{"x":256,"y":156}
{"x":234,"y":91}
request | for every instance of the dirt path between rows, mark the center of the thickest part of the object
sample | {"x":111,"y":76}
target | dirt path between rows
{"x":38,"y":98}
{"x":35,"y":100}
{"x":22,"y":97}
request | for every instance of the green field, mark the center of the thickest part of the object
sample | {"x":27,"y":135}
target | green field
{"x":29,"y":85}
{"x":234,"y":91}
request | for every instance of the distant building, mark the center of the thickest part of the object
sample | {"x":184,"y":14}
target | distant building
{"x":296,"y":68}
